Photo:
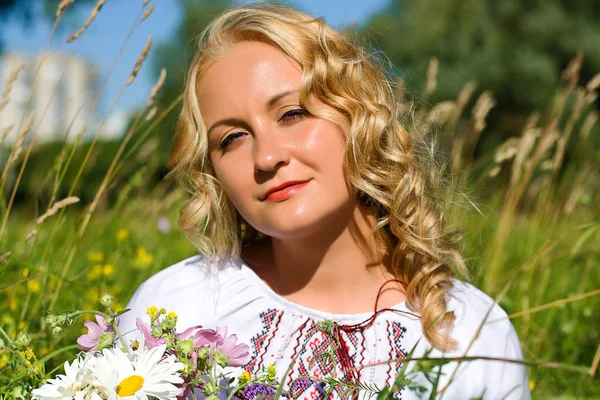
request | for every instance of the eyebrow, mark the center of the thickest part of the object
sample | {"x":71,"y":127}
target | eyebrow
{"x":239,"y":122}
{"x":279,"y":96}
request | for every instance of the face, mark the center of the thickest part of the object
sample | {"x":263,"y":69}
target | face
{"x":281,"y":168}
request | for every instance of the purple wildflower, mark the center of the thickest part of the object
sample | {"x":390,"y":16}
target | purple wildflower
{"x":163,"y":224}
{"x":299,"y":385}
{"x":89,"y":341}
{"x":257,"y":390}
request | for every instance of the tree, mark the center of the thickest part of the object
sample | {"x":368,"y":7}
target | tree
{"x":516,"y":48}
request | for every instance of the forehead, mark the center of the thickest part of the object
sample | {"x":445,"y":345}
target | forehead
{"x":247,"y":75}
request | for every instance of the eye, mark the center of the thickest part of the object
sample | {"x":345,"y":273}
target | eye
{"x":293,"y":115}
{"x":230,"y":138}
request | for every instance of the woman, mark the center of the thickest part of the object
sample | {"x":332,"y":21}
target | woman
{"x":309,"y":201}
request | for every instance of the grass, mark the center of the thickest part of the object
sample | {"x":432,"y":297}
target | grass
{"x":532,"y":229}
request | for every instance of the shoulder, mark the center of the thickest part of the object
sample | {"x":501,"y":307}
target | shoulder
{"x":181,"y":288}
{"x":479,"y":319}
{"x":483,"y":329}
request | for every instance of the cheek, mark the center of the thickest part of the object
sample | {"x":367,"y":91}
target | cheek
{"x":231,"y":181}
{"x":326,"y":145}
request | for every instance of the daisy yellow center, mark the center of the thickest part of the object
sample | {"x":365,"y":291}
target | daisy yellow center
{"x":130,"y":385}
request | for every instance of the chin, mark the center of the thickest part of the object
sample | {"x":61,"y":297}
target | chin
{"x":304,"y":221}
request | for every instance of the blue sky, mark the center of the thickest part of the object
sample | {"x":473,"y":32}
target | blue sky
{"x":103,"y":38}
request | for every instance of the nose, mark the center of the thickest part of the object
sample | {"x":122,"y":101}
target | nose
{"x":270,"y":151}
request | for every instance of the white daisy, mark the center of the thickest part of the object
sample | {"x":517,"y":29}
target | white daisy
{"x":137,"y":375}
{"x":71,"y":385}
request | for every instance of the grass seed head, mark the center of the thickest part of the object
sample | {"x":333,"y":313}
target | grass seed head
{"x":151,"y":113}
{"x":31,"y":235}
{"x":157,"y":86}
{"x":20,"y":140}
{"x":588,"y":124}
{"x":482,"y":107}
{"x":5,"y":256}
{"x":570,"y":75}
{"x":594,"y":83}
{"x":5,"y":132}
{"x":62,"y":7}
{"x":88,"y":21}
{"x":148,"y":12}
{"x":432,"y":73}
{"x":14,"y":74}
{"x":140,"y":61}
{"x":57,"y":206}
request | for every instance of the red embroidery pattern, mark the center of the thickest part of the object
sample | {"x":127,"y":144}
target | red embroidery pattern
{"x":395,"y":333}
{"x":260,"y":342}
{"x":310,"y":342}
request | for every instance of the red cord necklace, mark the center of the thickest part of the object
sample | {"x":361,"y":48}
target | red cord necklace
{"x":351,"y":373}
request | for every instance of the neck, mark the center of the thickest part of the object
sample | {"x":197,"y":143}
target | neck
{"x":338,"y":270}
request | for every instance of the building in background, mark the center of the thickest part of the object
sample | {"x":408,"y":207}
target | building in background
{"x":63,"y":95}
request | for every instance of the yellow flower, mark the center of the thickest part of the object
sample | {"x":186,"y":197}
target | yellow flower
{"x":172,"y":315}
{"x":142,"y":257}
{"x":122,"y":235}
{"x":13,"y":304}
{"x":25,"y":272}
{"x":95,"y":272}
{"x":3,"y":360}
{"x":271,"y":371}
{"x":531,"y":385}
{"x":244,"y":377}
{"x":7,"y":320}
{"x":28,"y":353}
{"x":95,"y":256}
{"x":152,"y":311}
{"x":34,"y":286}
{"x":108,"y":270}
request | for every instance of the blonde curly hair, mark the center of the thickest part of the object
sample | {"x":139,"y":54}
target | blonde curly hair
{"x":383,"y":161}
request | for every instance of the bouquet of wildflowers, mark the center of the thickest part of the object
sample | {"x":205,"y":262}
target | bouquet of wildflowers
{"x":162,"y":364}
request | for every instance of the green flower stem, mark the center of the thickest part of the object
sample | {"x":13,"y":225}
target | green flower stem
{"x":442,"y":360}
{"x":117,"y":331}
{"x":7,"y":337}
{"x":12,"y":345}
{"x":57,"y":352}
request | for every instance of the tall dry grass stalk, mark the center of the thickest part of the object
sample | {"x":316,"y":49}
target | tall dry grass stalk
{"x":74,"y":244}
{"x":62,"y":7}
{"x":533,"y":153}
{"x":18,"y":147}
{"x":126,"y":139}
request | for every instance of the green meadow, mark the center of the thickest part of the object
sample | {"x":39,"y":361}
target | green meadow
{"x":86,"y":217}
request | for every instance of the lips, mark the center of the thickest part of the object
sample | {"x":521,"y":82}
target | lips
{"x":284,"y":190}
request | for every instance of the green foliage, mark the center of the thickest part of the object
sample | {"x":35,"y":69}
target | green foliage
{"x":521,"y":202}
{"x":517,"y":49}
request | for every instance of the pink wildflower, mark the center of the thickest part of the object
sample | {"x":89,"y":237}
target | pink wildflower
{"x":238,"y":354}
{"x":89,"y":341}
{"x":151,"y":341}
